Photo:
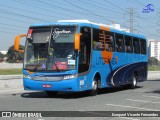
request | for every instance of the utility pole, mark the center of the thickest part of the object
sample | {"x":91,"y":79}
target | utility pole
{"x":131,"y":12}
{"x":138,"y":24}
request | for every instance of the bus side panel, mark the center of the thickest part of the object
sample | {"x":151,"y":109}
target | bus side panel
{"x":120,"y":69}
{"x":99,"y":66}
{"x":125,"y":74}
{"x":127,"y":66}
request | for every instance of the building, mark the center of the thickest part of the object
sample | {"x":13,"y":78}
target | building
{"x":3,"y":52}
{"x":118,"y":26}
{"x":154,"y":49}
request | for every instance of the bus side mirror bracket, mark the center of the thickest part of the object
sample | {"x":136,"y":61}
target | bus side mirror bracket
{"x":17,"y":41}
{"x":77,"y":41}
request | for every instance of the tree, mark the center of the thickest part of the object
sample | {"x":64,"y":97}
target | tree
{"x":153,"y":61}
{"x":14,"y":56}
{"x":1,"y":55}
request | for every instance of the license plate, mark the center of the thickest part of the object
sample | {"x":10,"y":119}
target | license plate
{"x":47,"y":86}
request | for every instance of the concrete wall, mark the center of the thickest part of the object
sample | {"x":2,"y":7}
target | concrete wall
{"x":11,"y":81}
{"x":11,"y":65}
{"x":154,"y":75}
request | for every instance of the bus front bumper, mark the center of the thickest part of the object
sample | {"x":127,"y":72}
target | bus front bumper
{"x":62,"y":85}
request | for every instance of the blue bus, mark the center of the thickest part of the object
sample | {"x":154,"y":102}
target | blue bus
{"x":79,"y":55}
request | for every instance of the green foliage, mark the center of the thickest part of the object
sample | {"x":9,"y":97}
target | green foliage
{"x":10,"y":71}
{"x":153,"y":68}
{"x":153,"y":61}
{"x":2,"y":55}
{"x":14,"y":56}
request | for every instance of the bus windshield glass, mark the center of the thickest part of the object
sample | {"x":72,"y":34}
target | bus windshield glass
{"x":50,"y":48}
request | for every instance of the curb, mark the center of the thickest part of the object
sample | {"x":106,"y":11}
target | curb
{"x":8,"y":77}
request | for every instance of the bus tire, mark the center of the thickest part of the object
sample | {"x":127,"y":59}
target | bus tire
{"x":94,"y":90}
{"x":52,"y":93}
{"x":134,"y":82}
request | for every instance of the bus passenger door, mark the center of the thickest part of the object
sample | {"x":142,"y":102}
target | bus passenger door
{"x":85,"y":49}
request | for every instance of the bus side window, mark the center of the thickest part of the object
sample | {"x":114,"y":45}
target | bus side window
{"x":136,"y":45}
{"x":109,"y":41}
{"x":128,"y":44}
{"x":96,"y":42}
{"x":119,"y":43}
{"x":143,"y":46}
{"x":99,"y":43}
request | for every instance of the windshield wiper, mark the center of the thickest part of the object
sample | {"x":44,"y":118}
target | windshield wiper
{"x":50,"y":57}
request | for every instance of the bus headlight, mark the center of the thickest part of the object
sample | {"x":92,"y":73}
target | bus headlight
{"x":26,"y":76}
{"x":69,"y":76}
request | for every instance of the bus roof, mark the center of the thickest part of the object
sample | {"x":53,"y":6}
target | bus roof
{"x":87,"y":23}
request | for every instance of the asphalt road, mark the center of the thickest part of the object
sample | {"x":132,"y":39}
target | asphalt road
{"x":146,"y":97}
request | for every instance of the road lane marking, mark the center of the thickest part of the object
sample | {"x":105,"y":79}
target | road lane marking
{"x":143,"y":101}
{"x":132,"y":107}
{"x":151,"y":96}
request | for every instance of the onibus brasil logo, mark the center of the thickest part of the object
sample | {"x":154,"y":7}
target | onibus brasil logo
{"x":148,"y":8}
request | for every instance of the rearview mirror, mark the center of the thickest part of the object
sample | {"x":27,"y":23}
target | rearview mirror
{"x":17,"y":41}
{"x":77,"y":41}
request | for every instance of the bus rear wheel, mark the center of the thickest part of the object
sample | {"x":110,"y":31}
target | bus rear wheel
{"x":52,"y":93}
{"x":134,"y":82}
{"x":94,"y":90}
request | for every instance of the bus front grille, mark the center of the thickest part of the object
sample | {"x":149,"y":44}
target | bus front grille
{"x":40,"y":78}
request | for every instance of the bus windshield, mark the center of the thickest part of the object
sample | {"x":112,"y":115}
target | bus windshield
{"x":50,"y":48}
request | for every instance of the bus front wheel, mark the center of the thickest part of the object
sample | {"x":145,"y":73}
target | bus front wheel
{"x":94,"y":89}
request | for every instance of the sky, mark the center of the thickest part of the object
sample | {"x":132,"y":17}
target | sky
{"x":17,"y":15}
